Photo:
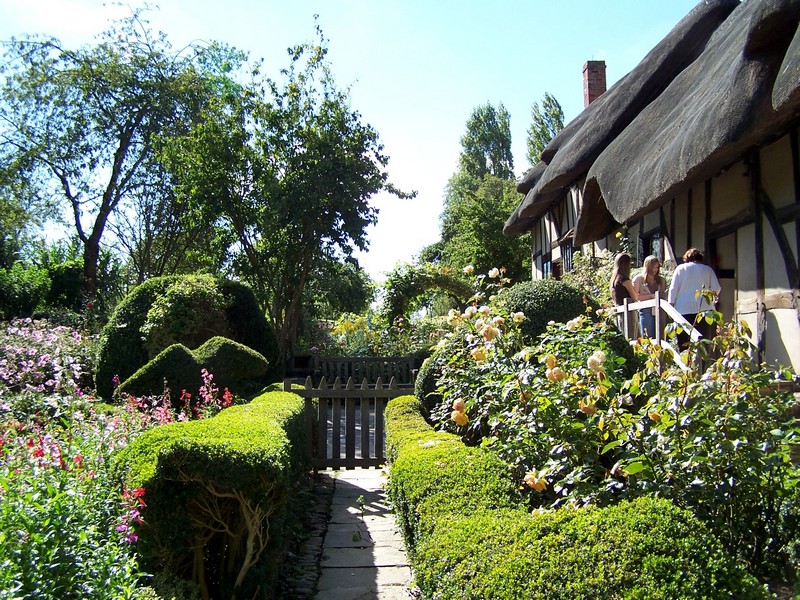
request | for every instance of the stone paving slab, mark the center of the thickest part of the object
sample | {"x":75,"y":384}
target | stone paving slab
{"x":363,"y":555}
{"x":383,"y":556}
{"x":366,"y":577}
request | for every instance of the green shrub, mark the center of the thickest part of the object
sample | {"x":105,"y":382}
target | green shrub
{"x":470,"y":537}
{"x":234,"y":366}
{"x":434,"y":475}
{"x":645,"y":549}
{"x":123,"y":349}
{"x":543,"y":301}
{"x":22,"y":289}
{"x":216,"y":493}
{"x":190,"y":311}
{"x":175,"y":368}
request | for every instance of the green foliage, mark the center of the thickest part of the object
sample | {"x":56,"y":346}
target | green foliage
{"x":408,"y":283}
{"x":472,"y":227}
{"x":191,"y":311}
{"x":235,"y":367}
{"x":486,"y":145}
{"x":434,"y":476}
{"x":469,"y":538}
{"x":546,"y":122}
{"x":122,"y":346}
{"x":64,"y":520}
{"x":585,"y":420}
{"x":237,"y":469}
{"x":543,"y":301}
{"x":592,"y":274}
{"x":22,"y":289}
{"x":719,"y":441}
{"x":85,"y":121}
{"x":644,"y":549}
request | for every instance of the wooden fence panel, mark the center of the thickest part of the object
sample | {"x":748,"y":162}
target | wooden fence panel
{"x":347,"y":416}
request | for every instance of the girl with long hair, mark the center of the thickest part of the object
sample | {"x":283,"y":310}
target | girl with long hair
{"x":621,"y":288}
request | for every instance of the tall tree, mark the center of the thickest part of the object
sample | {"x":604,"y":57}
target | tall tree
{"x":79,"y":125}
{"x":545,"y":123}
{"x":289,"y":169}
{"x":479,"y":197}
{"x":486,"y":145}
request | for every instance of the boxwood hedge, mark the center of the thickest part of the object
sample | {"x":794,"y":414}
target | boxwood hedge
{"x":218,"y":492}
{"x":122,"y":347}
{"x":468,"y":537}
{"x":234,"y":366}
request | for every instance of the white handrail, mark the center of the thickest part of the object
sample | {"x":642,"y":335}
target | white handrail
{"x":659,"y":305}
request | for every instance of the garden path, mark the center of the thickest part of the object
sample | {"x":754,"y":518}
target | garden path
{"x":355,"y":551}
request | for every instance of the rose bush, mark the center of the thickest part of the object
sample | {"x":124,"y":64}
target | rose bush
{"x":583,"y":423}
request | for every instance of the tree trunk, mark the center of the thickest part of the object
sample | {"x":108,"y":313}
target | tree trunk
{"x":91,"y":257}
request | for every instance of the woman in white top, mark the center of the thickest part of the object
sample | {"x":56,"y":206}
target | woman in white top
{"x":647,"y":284}
{"x":689,"y":280}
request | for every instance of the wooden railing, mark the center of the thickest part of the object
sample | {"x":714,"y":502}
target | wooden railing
{"x":659,"y":305}
{"x":371,"y":368}
{"x":345,"y":423}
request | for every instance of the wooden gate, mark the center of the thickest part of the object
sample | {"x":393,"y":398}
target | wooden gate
{"x":345,"y":424}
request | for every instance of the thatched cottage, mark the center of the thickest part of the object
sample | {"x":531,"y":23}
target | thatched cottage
{"x":697,"y":146}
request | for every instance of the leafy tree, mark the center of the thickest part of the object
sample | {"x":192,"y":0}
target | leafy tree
{"x":545,"y":123}
{"x":479,"y":197}
{"x":486,"y":146}
{"x":79,"y":126}
{"x":288,"y":169}
{"x":472,"y":229}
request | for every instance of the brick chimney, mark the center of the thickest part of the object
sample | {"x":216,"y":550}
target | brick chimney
{"x":594,"y":81}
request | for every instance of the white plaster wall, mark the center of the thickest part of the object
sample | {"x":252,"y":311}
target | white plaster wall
{"x":783,"y":338}
{"x":730,"y":192}
{"x":776,"y":172}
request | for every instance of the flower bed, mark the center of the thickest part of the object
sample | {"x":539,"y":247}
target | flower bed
{"x":469,"y":538}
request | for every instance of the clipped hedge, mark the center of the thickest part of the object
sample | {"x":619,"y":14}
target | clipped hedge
{"x":123,"y":349}
{"x":647,"y":548}
{"x":434,"y":475}
{"x":468,"y":537}
{"x":545,"y":300}
{"x":216,"y":489}
{"x":234,"y":366}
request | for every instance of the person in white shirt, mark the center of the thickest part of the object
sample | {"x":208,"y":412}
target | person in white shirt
{"x":689,"y":280}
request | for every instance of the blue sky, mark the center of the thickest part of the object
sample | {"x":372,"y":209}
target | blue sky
{"x":416,"y":69}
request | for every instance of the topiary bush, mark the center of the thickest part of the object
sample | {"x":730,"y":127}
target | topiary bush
{"x":217,"y":494}
{"x":543,"y":301}
{"x":234,"y":366}
{"x":469,"y":536}
{"x":643,"y":549}
{"x":189,"y":312}
{"x":123,"y":347}
{"x":434,"y":475}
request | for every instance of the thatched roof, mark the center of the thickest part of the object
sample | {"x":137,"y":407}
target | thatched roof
{"x":726,"y":78}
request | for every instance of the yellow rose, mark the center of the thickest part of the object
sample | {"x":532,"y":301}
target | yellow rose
{"x":458,"y":404}
{"x":532,"y":480}
{"x":479,"y":353}
{"x":490,"y":332}
{"x":518,"y":317}
{"x":550,"y":361}
{"x":469,"y":269}
{"x":459,"y":418}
